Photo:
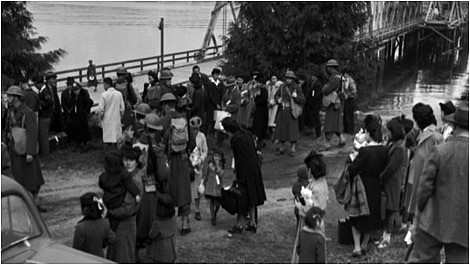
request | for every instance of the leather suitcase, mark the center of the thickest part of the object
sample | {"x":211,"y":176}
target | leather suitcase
{"x":344,"y":232}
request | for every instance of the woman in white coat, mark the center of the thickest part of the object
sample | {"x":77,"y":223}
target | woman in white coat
{"x":111,"y":107}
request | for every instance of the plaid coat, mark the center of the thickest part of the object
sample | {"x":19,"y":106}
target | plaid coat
{"x":358,"y":205}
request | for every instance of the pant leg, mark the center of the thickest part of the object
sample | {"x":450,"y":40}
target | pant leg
{"x":456,"y":253}
{"x":426,"y":248}
{"x":43,"y":136}
{"x":348,"y":116}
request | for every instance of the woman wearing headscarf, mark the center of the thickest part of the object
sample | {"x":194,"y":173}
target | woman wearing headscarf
{"x":428,"y":137}
{"x":248,"y":174}
{"x":369,"y":163}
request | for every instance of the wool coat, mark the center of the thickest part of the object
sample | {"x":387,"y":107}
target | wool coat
{"x":163,"y":248}
{"x":197,"y":108}
{"x":369,"y":163}
{"x":244,"y":112}
{"x":124,"y":249}
{"x":91,"y":236}
{"x":179,"y":182}
{"x":46,"y":102}
{"x":442,"y":195}
{"x":76,"y":110}
{"x":261,"y":115}
{"x":247,"y":170}
{"x":333,"y":117}
{"x":152,"y":96}
{"x":31,"y":100}
{"x":111,"y":106}
{"x":29,"y":175}
{"x":212,"y":189}
{"x":287,"y":128}
{"x":312,"y":247}
{"x":313,"y":102}
{"x":393,"y":174}
{"x":426,"y":141}
{"x":57,"y":123}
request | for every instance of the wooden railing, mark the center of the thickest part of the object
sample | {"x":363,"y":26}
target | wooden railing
{"x":169,"y":60}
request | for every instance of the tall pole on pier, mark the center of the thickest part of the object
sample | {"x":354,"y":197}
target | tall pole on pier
{"x":161,"y":28}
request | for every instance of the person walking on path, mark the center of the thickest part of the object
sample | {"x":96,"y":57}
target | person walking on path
{"x":76,"y":103}
{"x":442,"y":198}
{"x":287,"y":127}
{"x":428,"y":137}
{"x":392,"y":176}
{"x":332,"y":91}
{"x":199,"y":154}
{"x":111,"y":107}
{"x":272,"y":86}
{"x":45,"y":115}
{"x":350,"y":94}
{"x":213,"y":92}
{"x":23,"y":154}
{"x":91,"y":75}
{"x":179,"y":183}
{"x":369,"y":163}
{"x":57,"y":123}
{"x":248,"y":175}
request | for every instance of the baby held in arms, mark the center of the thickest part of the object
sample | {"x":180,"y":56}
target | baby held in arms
{"x":359,"y":142}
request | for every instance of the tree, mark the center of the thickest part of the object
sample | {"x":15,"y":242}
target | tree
{"x":272,"y":37}
{"x":20,"y":56}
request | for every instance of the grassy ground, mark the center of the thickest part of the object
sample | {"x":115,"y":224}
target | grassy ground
{"x":69,"y":174}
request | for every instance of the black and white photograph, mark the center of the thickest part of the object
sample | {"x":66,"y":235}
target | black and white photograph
{"x":231,"y":132}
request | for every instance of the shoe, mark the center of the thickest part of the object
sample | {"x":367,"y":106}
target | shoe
{"x":213,"y":221}
{"x":356,"y":253}
{"x":185,"y":231}
{"x":197,"y":216}
{"x":383,"y":244}
{"x":41,"y":209}
{"x":236,"y":229}
{"x":251,"y":228}
{"x":291,"y":153}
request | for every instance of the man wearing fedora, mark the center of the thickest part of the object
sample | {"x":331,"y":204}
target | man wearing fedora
{"x":76,"y":103}
{"x":24,"y":163}
{"x":442,"y":198}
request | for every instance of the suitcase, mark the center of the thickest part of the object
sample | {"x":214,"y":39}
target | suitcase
{"x":57,"y":141}
{"x":344,"y":232}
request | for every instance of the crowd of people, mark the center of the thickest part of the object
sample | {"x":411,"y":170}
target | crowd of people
{"x":157,"y":159}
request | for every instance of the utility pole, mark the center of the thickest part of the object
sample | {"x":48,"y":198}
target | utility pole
{"x":161,"y":28}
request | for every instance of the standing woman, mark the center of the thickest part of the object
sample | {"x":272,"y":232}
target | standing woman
{"x":247,"y":173}
{"x":24,"y":162}
{"x":287,"y":127}
{"x":261,"y":115}
{"x":369,"y":163}
{"x":272,"y":86}
{"x":334,"y":110}
{"x":392,"y":176}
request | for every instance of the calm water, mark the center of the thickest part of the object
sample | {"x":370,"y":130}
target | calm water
{"x":114,"y":31}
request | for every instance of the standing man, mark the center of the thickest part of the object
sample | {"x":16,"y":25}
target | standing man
{"x":130,"y":97}
{"x":91,"y":75}
{"x":230,"y":103}
{"x":443,"y":198}
{"x":333,"y":103}
{"x":45,"y":115}
{"x":24,"y":162}
{"x":350,"y":94}
{"x":31,"y":98}
{"x":204,"y":78}
{"x":175,"y":126}
{"x":111,"y":108}
{"x":56,"y":122}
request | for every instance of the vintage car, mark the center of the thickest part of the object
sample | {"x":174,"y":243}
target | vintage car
{"x":25,"y":238}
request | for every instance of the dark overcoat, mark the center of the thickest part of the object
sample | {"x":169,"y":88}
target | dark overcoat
{"x":369,"y":163}
{"x":76,"y":110}
{"x":287,"y":128}
{"x":333,"y":117}
{"x":29,"y":175}
{"x":393,"y":174}
{"x":443,"y":193}
{"x":261,"y":115}
{"x":313,"y":101}
{"x":213,"y":92}
{"x":247,"y":170}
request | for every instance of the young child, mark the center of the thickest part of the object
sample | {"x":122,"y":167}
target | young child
{"x":213,"y":182}
{"x":115,"y":182}
{"x":312,"y":245}
{"x":197,"y":161}
{"x":92,"y":233}
{"x":162,"y":233}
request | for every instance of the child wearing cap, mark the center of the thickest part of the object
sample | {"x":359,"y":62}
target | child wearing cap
{"x":92,"y":233}
{"x":197,"y":158}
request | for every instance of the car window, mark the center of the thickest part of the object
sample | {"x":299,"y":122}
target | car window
{"x":17,"y":221}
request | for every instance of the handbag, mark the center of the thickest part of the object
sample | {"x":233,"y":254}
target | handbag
{"x":296,"y":109}
{"x":229,"y":199}
{"x":331,"y":98}
{"x":19,"y":138}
